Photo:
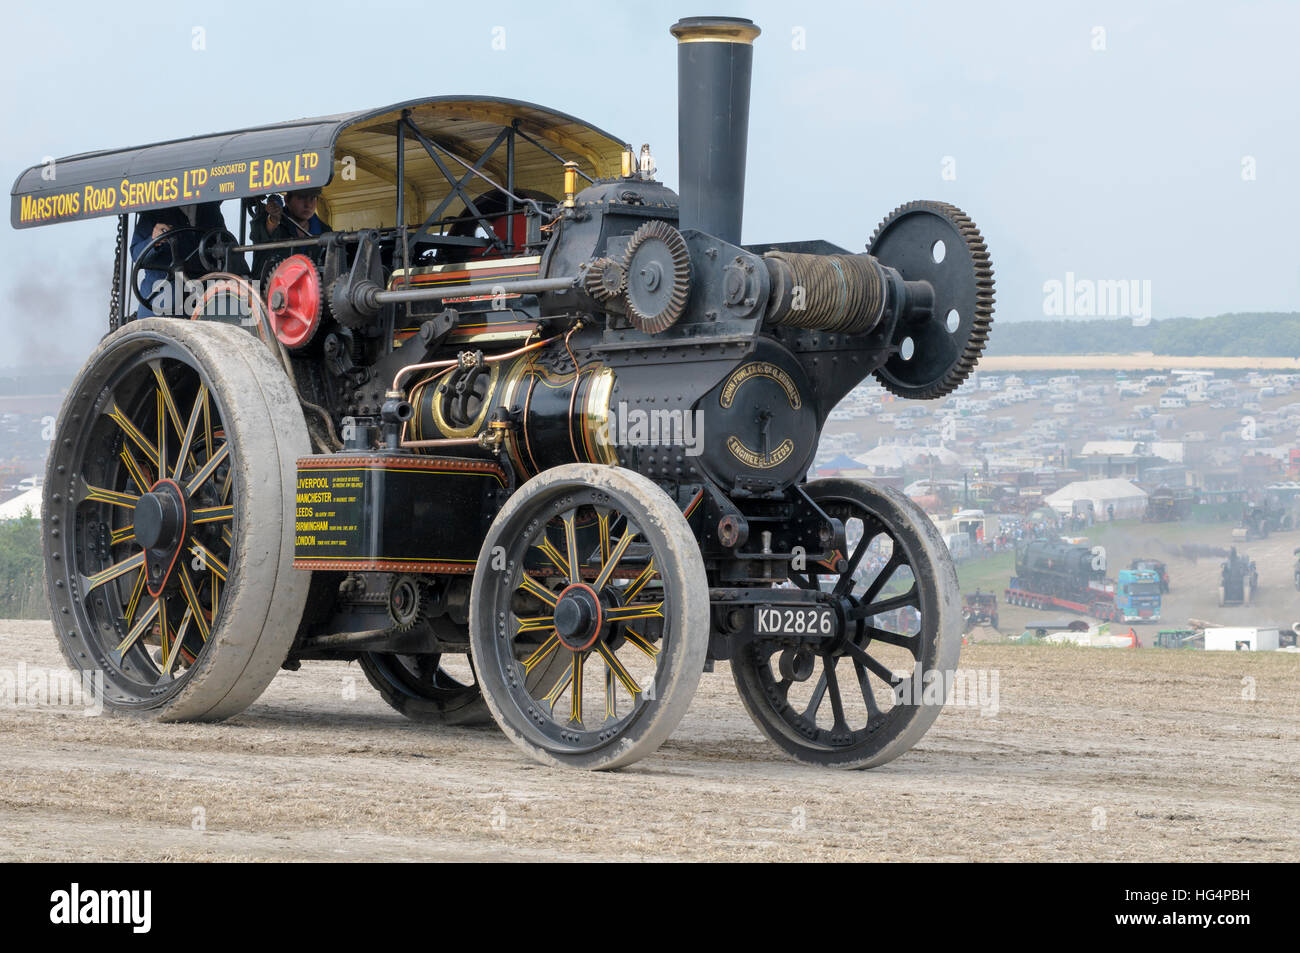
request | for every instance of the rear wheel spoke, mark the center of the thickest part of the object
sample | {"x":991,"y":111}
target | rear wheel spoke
{"x":837,"y":703}
{"x":874,"y":667}
{"x":867,"y":611}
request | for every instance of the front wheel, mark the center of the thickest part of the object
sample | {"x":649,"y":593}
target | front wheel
{"x":169,"y":516}
{"x":868,"y":694}
{"x":589,"y":616}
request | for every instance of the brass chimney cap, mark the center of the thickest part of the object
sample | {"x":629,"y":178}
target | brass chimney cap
{"x":715,"y":30}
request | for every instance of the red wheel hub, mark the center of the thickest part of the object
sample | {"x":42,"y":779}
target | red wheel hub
{"x":293,"y":295}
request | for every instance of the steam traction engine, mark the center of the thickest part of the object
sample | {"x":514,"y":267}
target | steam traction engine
{"x":581,"y":463}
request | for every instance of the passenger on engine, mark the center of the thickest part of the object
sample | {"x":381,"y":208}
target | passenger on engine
{"x":282,"y":220}
{"x":166,"y":257}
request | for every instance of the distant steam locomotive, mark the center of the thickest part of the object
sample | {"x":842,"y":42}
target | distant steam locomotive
{"x":1073,"y":576}
{"x":1059,"y":568}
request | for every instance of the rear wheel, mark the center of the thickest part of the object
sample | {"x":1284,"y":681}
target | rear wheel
{"x":589,"y":616}
{"x":433,"y":689}
{"x":867,"y":695}
{"x":168,"y":533}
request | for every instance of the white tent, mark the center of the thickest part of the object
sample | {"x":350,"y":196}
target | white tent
{"x":1128,"y":501}
{"x":14,"y":509}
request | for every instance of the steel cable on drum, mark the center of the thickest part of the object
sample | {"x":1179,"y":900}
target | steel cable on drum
{"x":843,"y":293}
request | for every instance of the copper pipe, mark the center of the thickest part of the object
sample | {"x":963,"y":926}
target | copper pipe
{"x":442,"y":442}
{"x":434,"y":365}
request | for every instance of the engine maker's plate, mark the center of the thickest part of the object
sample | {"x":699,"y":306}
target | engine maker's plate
{"x":760,"y":427}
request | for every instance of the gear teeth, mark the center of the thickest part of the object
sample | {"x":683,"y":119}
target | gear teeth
{"x":666,"y":317}
{"x":604,"y":279}
{"x":984,"y":296}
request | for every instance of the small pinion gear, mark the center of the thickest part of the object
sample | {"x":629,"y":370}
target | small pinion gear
{"x":408,"y":603}
{"x":604,"y":279}
{"x":658,"y":270}
{"x":937,"y":243}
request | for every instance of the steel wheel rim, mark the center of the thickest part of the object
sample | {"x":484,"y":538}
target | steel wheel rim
{"x":147,"y":647}
{"x":630,"y":648}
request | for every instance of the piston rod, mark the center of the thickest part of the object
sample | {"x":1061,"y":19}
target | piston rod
{"x":371,"y":296}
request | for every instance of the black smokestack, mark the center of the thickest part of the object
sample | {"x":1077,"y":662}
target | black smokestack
{"x":714,"y":59}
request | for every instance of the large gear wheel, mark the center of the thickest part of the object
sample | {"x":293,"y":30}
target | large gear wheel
{"x":658,"y":270}
{"x":937,"y":243}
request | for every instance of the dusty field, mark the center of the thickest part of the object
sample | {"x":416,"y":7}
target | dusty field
{"x":1092,"y":754}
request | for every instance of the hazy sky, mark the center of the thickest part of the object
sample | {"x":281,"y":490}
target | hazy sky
{"x":1155,"y":142}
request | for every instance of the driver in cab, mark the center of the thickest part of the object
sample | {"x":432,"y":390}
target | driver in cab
{"x":163,"y":258}
{"x":282,"y":220}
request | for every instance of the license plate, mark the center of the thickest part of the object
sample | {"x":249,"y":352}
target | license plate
{"x":788,"y":620}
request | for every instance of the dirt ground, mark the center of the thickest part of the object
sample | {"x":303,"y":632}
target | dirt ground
{"x":1091,"y":754}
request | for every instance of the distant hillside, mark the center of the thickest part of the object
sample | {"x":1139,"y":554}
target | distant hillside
{"x":1275,"y":334}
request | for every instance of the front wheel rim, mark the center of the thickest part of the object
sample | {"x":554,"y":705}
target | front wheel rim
{"x":148,"y":428}
{"x":582,"y":547}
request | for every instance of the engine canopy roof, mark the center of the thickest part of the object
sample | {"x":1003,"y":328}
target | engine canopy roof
{"x":307,"y":153}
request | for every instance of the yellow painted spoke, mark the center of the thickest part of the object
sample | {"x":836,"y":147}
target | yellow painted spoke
{"x":558,"y":688}
{"x":177,"y":642}
{"x":209,"y":558}
{"x":187,"y":441}
{"x":602,"y":520}
{"x":607,"y":570}
{"x":137,"y":630}
{"x":112,"y":572}
{"x":535,"y":623}
{"x":628,"y":613}
{"x":575,"y":696}
{"x":166,"y":399}
{"x":216,"y":593}
{"x":207,"y":469}
{"x":162,"y":437}
{"x":192,"y":597}
{"x":123,"y":534}
{"x":113,"y":497}
{"x":227,"y":537}
{"x":639,"y":582}
{"x":635,"y":638}
{"x":132,"y":467}
{"x":553,"y":554}
{"x":118,"y":416}
{"x":611,"y":700}
{"x":163,"y":632}
{"x":136,"y":593}
{"x":214,"y":514}
{"x":529,"y":584}
{"x":207,"y":431}
{"x":615,"y":666}
{"x":571,"y":541}
{"x":543,"y":650}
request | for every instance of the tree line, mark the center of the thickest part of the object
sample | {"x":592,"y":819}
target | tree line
{"x":22,"y":575}
{"x":1268,"y":334}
